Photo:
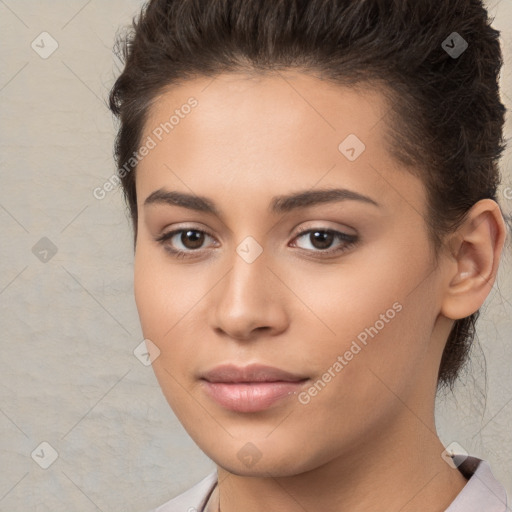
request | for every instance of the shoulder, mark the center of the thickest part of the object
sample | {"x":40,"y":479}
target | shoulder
{"x":482,"y":491}
{"x":192,"y":500}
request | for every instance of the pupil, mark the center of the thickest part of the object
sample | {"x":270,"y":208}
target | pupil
{"x":324,"y":239}
{"x":192,"y":239}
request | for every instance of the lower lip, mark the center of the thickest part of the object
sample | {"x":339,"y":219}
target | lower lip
{"x":250,"y":396}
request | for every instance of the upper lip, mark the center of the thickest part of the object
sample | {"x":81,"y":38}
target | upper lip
{"x":250,"y":373}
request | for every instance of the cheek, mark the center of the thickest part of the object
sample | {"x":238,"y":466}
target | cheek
{"x":165,"y":294}
{"x":364,"y":373}
{"x":165,"y":300}
{"x":164,"y":309}
{"x":376,"y":317}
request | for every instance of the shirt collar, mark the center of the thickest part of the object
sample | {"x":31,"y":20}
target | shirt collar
{"x":482,"y":492}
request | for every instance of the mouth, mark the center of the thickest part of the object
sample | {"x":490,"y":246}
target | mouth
{"x":251,"y":388}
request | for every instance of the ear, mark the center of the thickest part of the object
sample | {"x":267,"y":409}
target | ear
{"x":475,"y":254}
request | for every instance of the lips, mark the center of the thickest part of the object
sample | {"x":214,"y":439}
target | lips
{"x":252,"y":373}
{"x":251,"y":388}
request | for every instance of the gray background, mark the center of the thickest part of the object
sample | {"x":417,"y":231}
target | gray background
{"x":68,"y":375}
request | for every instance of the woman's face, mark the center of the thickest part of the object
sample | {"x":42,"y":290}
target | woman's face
{"x":338,"y":289}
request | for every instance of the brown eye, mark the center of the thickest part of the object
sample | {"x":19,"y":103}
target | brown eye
{"x":192,"y":239}
{"x":321,"y":240}
{"x":184,"y":242}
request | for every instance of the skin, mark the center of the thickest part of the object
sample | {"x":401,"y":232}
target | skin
{"x":368,"y":440}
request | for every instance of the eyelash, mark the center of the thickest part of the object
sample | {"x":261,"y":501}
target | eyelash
{"x":350,"y":241}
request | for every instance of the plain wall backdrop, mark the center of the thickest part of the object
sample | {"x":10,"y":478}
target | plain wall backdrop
{"x":68,"y":373}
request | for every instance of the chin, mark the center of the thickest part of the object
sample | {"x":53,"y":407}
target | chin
{"x":268,"y":461}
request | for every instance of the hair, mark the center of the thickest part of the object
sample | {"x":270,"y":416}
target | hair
{"x":445,"y":119}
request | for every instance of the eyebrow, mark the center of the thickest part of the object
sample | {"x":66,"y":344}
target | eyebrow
{"x":279,"y":204}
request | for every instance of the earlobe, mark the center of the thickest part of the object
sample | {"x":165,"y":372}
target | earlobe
{"x":476,"y":251}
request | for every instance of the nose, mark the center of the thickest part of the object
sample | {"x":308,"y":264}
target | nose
{"x":250,"y":299}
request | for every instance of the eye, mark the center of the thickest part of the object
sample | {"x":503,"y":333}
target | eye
{"x":189,"y":242}
{"x":320,"y":240}
{"x":183,"y":242}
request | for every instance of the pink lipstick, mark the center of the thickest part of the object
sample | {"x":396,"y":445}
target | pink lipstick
{"x":251,"y":388}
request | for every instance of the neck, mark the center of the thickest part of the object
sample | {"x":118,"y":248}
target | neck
{"x":398,"y":468}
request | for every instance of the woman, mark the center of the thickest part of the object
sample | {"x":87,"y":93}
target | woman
{"x":313,"y":193}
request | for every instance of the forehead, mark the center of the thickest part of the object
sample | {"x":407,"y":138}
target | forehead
{"x":271,"y":131}
{"x":256,"y":107}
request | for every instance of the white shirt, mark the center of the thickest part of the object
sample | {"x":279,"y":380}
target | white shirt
{"x":482,"y":492}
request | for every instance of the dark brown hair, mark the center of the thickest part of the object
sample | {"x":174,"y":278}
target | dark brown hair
{"x":445,"y":117}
